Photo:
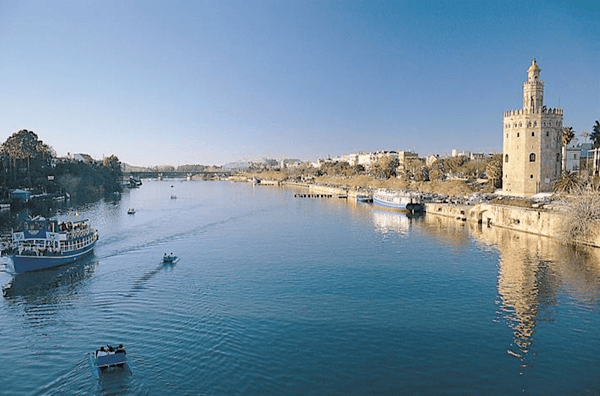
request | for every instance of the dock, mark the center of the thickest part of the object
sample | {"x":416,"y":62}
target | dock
{"x":340,"y":196}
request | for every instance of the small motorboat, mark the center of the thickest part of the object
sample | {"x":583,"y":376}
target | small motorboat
{"x":173,"y":196}
{"x":130,"y":211}
{"x":170,"y":259}
{"x":108,"y":357}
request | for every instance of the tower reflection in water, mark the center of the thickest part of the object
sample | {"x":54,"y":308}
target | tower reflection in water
{"x":534,"y":271}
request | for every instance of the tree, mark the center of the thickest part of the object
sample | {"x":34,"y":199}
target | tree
{"x":384,"y":167}
{"x":493,"y":170}
{"x":595,"y":135}
{"x":415,"y":169}
{"x":25,"y":145}
{"x":453,"y":164}
{"x":569,"y":181}
{"x":567,"y":135}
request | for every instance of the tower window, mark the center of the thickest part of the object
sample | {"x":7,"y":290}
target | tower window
{"x":532,"y":133}
{"x":506,"y":158}
{"x":532,"y":157}
{"x":557,"y":157}
{"x":547,"y":133}
{"x":531,"y":176}
{"x":517,"y":134}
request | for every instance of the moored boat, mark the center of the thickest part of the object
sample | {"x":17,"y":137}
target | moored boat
{"x":131,"y":210}
{"x":46,"y":243}
{"x":364,"y":198}
{"x":398,"y":199}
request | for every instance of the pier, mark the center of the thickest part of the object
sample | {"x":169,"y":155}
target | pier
{"x":341,"y":196}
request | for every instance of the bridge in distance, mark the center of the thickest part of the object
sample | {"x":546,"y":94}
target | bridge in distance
{"x":175,"y":174}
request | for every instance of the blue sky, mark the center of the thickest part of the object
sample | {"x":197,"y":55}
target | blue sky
{"x":209,"y":82}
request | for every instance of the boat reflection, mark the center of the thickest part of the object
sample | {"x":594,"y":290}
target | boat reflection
{"x":51,"y":285}
{"x":386,"y":221}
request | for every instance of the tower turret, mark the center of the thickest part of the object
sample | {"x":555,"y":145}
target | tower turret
{"x":533,"y":89}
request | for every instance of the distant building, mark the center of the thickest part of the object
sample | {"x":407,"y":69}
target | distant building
{"x":285,"y":163}
{"x":532,"y":141}
{"x":367,"y":159}
{"x":455,"y":153}
{"x":573,"y":158}
{"x":478,"y":157}
{"x":585,"y":155}
{"x":405,"y":156}
{"x":83,"y":158}
{"x":20,"y":195}
{"x":431,"y":159}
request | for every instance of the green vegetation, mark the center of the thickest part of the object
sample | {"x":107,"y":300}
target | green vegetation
{"x":26,"y":162}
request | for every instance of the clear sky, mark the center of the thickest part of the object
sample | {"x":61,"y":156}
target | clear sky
{"x":209,"y":82}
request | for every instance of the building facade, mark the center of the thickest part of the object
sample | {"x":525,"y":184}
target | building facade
{"x":532,"y":141}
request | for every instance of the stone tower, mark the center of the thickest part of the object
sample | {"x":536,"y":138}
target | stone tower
{"x":532,"y":141}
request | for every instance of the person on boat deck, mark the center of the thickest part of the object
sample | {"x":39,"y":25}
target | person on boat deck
{"x":101,"y":352}
{"x":120,"y":349}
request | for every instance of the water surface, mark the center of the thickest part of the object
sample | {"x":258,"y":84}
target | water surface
{"x":281,"y":295}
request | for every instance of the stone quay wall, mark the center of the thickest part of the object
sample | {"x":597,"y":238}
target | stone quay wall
{"x":531,"y":220}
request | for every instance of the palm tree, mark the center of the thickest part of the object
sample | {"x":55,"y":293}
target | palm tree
{"x":595,"y":136}
{"x":568,"y":182}
{"x":567,"y":135}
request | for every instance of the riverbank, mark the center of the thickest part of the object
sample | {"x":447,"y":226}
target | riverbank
{"x":543,"y":220}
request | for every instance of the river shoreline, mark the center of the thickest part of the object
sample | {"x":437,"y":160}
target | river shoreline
{"x":544,"y":221}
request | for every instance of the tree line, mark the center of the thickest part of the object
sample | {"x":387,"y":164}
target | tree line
{"x":26,"y":162}
{"x":416,"y":169}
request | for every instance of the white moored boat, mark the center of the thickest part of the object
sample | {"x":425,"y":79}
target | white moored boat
{"x":398,"y":199}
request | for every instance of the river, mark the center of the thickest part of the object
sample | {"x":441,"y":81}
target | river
{"x":301,"y":296}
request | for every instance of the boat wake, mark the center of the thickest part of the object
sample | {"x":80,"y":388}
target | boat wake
{"x":140,"y":283}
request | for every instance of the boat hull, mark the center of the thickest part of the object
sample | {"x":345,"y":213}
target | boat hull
{"x":97,"y":368}
{"x":390,"y":205}
{"x":399,"y":203}
{"x":23,"y":263}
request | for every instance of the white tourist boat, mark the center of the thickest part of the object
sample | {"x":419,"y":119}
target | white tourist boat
{"x":398,"y":199}
{"x":46,"y":243}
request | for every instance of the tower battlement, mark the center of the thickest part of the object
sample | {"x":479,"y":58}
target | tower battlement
{"x":545,"y":111}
